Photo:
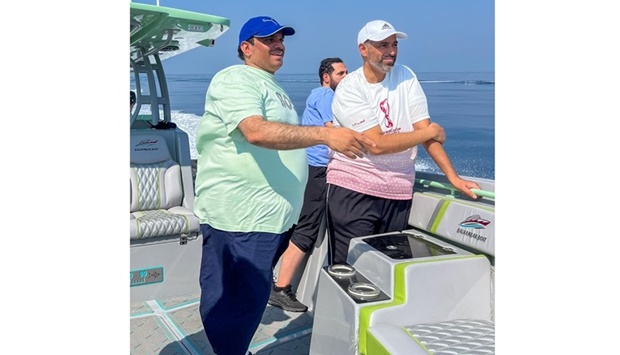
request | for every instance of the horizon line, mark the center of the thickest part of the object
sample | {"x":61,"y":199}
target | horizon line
{"x":417,"y":72}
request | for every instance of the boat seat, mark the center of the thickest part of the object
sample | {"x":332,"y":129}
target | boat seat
{"x":427,"y":291}
{"x":157,"y":191}
{"x":459,"y":336}
{"x":468,"y":223}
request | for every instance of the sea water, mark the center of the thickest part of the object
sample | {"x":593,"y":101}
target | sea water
{"x":463,"y":103}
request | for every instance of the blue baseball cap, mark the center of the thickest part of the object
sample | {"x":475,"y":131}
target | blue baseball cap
{"x":263,"y":26}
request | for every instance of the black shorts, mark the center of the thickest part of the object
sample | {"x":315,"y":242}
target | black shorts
{"x":352,"y":214}
{"x":312,"y":214}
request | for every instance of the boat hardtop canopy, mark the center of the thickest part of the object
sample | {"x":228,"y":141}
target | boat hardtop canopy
{"x":157,"y":33}
{"x":171,"y":31}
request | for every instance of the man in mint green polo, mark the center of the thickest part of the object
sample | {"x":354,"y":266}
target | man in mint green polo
{"x":251,"y":175}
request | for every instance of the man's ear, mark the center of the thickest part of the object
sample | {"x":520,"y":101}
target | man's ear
{"x":363,"y":49}
{"x":245,"y":48}
{"x":325,"y":77}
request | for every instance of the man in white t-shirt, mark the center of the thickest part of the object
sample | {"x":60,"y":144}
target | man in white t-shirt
{"x":385,"y":101}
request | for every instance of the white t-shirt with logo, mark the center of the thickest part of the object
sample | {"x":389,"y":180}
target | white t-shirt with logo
{"x":394,"y":104}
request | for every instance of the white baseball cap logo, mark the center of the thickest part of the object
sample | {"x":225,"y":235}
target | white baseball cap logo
{"x":378,"y":30}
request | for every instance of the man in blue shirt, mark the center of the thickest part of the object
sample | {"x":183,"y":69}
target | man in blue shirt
{"x":318,"y":112}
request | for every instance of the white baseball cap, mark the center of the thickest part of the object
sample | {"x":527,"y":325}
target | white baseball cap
{"x":378,"y":30}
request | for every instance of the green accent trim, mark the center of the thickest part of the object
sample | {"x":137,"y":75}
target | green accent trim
{"x":417,"y":341}
{"x":429,"y":225}
{"x":440,"y":214}
{"x":375,"y":347}
{"x":400,"y":296}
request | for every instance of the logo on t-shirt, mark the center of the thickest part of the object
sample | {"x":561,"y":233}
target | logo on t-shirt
{"x":385,"y":107}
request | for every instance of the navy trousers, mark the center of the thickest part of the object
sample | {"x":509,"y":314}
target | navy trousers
{"x":236,"y":273}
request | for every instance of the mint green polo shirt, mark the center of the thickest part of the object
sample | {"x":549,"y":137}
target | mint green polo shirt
{"x":240,"y":186}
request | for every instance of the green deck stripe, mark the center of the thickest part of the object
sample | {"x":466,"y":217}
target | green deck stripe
{"x":375,"y":347}
{"x":433,"y":217}
{"x":440,"y":214}
{"x":417,"y":341}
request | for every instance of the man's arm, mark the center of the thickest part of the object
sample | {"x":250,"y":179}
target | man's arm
{"x":275,"y":135}
{"x":351,"y":108}
{"x":397,"y":142}
{"x":436,"y":151}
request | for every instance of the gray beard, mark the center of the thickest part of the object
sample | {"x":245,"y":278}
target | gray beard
{"x":381,"y":67}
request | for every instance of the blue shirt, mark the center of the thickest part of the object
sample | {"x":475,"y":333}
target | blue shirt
{"x":318,"y":111}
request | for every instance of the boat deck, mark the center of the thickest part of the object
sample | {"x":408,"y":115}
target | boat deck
{"x":173,"y":326}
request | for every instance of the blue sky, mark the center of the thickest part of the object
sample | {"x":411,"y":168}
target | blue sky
{"x":444,"y":35}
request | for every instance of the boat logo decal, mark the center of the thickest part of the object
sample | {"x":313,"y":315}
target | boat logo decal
{"x":475,"y":222}
{"x":147,"y":142}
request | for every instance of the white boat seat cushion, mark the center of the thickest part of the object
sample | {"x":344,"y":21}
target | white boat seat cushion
{"x":460,"y":336}
{"x":156,"y":192}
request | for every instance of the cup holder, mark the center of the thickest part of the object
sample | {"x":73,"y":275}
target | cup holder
{"x":341,"y":270}
{"x":364,"y":291}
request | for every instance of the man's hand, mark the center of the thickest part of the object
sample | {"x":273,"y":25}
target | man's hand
{"x":348,"y":142}
{"x":440,"y":133}
{"x":464,"y":186}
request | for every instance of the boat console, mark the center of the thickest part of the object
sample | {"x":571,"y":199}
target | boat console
{"x":418,"y":279}
{"x":428,"y":289}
